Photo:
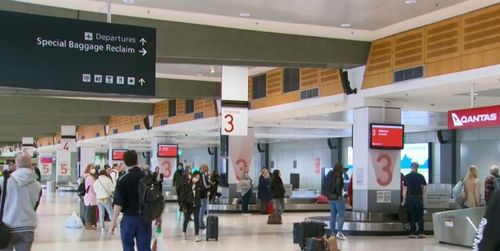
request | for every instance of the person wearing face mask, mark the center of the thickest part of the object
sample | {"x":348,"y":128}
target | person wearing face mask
{"x":190,"y":199}
{"x":90,"y":198}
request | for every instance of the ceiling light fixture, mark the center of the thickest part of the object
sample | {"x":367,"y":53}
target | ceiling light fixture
{"x":212,"y":69}
{"x":410,"y":1}
{"x":346,"y":25}
{"x":244,"y":14}
{"x":128,"y":1}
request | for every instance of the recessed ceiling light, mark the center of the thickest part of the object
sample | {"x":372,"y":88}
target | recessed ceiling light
{"x":128,"y":1}
{"x":346,"y":25}
{"x":244,"y":14}
{"x":212,"y":69}
{"x":410,"y":1}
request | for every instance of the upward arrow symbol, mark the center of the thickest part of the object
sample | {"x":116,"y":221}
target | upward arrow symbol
{"x":142,"y":81}
{"x":143,"y":41}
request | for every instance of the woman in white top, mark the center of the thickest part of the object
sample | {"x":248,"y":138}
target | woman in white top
{"x":104,"y":189}
{"x":472,"y":187}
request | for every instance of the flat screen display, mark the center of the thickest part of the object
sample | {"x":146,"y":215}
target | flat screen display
{"x":387,"y":136}
{"x":167,"y":151}
{"x":416,"y":153}
{"x":118,"y":154}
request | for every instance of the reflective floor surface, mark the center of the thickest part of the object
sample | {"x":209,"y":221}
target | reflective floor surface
{"x":237,"y":232}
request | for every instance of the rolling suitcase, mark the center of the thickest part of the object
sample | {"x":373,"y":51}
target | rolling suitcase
{"x":274,"y":219}
{"x":307,"y":229}
{"x":212,"y":227}
{"x":316,"y":244}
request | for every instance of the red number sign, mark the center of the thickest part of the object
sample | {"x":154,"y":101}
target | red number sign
{"x":386,"y":168}
{"x":229,"y":120}
{"x":64,"y":169}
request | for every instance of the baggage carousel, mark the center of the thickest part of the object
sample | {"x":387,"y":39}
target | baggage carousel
{"x":374,"y":224}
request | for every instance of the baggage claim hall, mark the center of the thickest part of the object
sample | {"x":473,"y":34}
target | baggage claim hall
{"x":250,"y":125}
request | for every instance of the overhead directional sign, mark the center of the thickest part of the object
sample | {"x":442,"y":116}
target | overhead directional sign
{"x":40,"y":52}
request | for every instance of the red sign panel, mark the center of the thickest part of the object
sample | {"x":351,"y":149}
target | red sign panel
{"x":167,"y":151}
{"x":474,"y":117}
{"x":118,"y":154}
{"x":385,"y":136}
{"x":46,"y":160}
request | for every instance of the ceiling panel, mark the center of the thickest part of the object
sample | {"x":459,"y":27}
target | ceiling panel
{"x":360,"y":14}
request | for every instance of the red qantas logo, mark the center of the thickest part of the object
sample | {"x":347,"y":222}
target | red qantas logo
{"x":474,"y":118}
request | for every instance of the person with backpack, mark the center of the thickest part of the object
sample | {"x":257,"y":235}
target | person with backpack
{"x":104,"y":192}
{"x":190,"y":199}
{"x":135,"y":227}
{"x":89,"y":199}
{"x":492,"y":183}
{"x":278,"y":193}
{"x":335,"y":194}
{"x":20,"y":196}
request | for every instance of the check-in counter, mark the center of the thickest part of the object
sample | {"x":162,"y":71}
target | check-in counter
{"x":457,"y":227}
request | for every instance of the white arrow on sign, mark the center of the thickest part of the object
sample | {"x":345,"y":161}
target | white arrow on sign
{"x":142,"y":81}
{"x":143,"y":41}
{"x":143,"y":52}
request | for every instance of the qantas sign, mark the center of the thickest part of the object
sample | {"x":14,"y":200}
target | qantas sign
{"x":474,"y":118}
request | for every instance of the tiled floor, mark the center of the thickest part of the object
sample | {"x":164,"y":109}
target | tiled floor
{"x":237,"y":232}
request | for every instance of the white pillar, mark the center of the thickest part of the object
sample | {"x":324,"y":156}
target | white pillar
{"x":376,"y":172}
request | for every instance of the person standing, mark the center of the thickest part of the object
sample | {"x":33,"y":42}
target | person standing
{"x":134,"y":229}
{"x":205,"y":189}
{"x":472,"y":188}
{"x":104,"y":189}
{"x":335,"y":192}
{"x":414,"y":189}
{"x":89,"y":199}
{"x":190,"y":198}
{"x":21,"y":195}
{"x":278,"y":193}
{"x":246,"y":184}
{"x":264,"y":190}
{"x":491,"y":184}
{"x":488,"y":231}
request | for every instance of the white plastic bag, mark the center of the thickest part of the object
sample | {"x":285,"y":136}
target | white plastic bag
{"x":73,"y":221}
{"x":158,"y":244}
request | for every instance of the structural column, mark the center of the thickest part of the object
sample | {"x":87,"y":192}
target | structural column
{"x":376,"y":177}
{"x":167,"y":164}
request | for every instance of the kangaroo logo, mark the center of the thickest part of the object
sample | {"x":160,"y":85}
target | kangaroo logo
{"x":456,"y":120}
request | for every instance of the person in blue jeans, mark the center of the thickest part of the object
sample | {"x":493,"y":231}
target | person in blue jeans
{"x":334,"y":192}
{"x":133,"y":229}
{"x":205,"y":188}
{"x":414,"y":190}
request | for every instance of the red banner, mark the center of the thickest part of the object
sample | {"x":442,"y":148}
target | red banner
{"x":474,"y":117}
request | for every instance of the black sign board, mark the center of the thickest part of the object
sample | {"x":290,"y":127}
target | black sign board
{"x":40,"y":52}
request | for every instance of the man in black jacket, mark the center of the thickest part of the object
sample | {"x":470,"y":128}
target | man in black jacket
{"x":487,"y":238}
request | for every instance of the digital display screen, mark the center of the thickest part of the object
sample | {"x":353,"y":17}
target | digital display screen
{"x":416,"y":153}
{"x":167,"y":151}
{"x":118,"y":154}
{"x":385,"y":136}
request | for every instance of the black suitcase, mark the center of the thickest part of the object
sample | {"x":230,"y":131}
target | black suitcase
{"x":212,"y":227}
{"x":274,"y":219}
{"x":315,"y":244}
{"x":307,"y":229}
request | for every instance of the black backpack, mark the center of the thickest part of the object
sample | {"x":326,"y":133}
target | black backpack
{"x":151,"y":201}
{"x":81,"y":189}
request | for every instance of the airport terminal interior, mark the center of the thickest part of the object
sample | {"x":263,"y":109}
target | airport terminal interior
{"x":354,"y":94}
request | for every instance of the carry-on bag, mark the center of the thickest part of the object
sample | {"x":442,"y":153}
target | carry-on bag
{"x":307,"y":229}
{"x":316,"y":244}
{"x":274,"y":219}
{"x":212,"y":226}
